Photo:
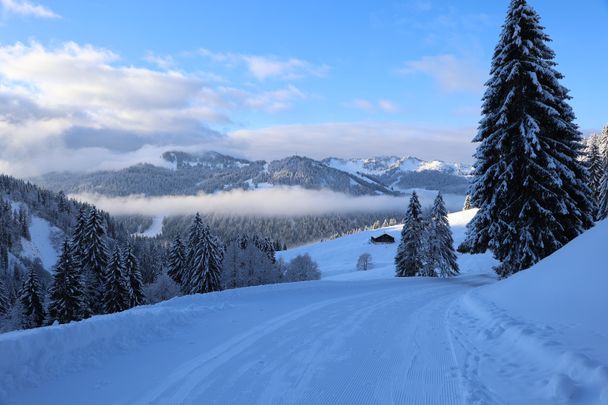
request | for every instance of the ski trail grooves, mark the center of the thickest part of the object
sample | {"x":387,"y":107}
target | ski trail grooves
{"x":184,"y":379}
{"x":386,"y":346}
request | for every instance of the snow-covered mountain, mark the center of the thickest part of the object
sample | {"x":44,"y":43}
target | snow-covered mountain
{"x":380,"y":166}
{"x":404,"y":173}
{"x":350,"y":338}
{"x":210,"y":172}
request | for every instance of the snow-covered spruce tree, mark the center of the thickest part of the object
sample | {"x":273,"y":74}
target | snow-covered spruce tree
{"x":428,"y":268}
{"x":116,"y":295}
{"x":32,"y":298}
{"x":602,"y":197}
{"x":135,"y":284}
{"x":441,"y":257}
{"x":467,"y":203}
{"x":595,"y":166}
{"x":528,"y":184}
{"x":67,"y":302}
{"x":4,"y":301}
{"x":177,"y":260}
{"x":79,"y":237}
{"x":204,"y":261}
{"x":409,"y":259}
{"x":267,"y":246}
{"x":194,"y":235}
{"x":94,"y":261}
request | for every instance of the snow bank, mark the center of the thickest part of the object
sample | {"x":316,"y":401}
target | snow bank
{"x":37,"y":354}
{"x":552,"y":315}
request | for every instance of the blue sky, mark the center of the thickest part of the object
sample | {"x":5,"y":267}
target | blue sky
{"x":267,"y":78}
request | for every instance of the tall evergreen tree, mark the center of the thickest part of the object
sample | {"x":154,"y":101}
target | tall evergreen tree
{"x":441,"y":257}
{"x":204,"y":261}
{"x":194,"y":235}
{"x":94,"y":260}
{"x":32,"y":298}
{"x":79,"y":237}
{"x":467,"y":203}
{"x":133,"y":275}
{"x":24,"y":223}
{"x":4,"y":301}
{"x":177,"y":260}
{"x":602,"y":197}
{"x":116,"y":296}
{"x":67,"y":301}
{"x":528,"y":183}
{"x":595,"y":166}
{"x":409,"y":261}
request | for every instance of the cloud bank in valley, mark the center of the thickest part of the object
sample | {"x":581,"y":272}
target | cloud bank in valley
{"x":280,"y":201}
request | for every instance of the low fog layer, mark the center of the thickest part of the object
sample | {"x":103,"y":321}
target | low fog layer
{"x":283,"y":201}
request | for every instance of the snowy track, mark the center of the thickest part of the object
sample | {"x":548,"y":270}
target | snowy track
{"x":376,"y":342}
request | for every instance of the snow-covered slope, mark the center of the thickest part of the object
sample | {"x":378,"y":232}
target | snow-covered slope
{"x":350,"y":338}
{"x":337,"y":258}
{"x":45,"y":238}
{"x":155,"y":228}
{"x":546,"y":327}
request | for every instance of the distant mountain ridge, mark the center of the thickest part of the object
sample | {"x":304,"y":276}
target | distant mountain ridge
{"x":210,"y":172}
{"x":383,"y":164}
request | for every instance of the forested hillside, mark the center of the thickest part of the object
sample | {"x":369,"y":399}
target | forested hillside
{"x":189,"y":174}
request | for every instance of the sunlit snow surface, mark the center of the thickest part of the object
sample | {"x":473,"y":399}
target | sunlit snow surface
{"x":351,"y":338}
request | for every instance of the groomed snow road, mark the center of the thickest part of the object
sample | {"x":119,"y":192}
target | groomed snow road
{"x":354,"y":342}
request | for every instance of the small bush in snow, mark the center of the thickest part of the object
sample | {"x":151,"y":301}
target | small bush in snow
{"x":364,"y":262}
{"x":164,"y":288}
{"x":302,"y":268}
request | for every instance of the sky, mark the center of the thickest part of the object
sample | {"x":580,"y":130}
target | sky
{"x":89,"y":85}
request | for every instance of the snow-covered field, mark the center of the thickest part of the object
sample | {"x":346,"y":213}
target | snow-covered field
{"x":351,"y":338}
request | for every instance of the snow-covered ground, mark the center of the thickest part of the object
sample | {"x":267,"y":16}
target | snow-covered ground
{"x":155,"y":229}
{"x":337,"y":258}
{"x":44,"y":239}
{"x":350,"y":338}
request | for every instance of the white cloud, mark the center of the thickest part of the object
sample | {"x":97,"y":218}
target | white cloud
{"x":263,"y":68}
{"x":451,"y":73}
{"x":267,"y":67}
{"x":388,"y":106}
{"x":27,"y":9}
{"x":48,"y":95}
{"x":273,"y":202}
{"x":163,"y":62}
{"x":354,"y":139}
{"x":362,"y":104}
